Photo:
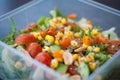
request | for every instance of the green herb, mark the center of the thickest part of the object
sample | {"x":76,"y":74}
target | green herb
{"x":82,"y":34}
{"x":56,"y":13}
{"x":9,"y":39}
{"x":109,"y":36}
{"x":89,"y":33}
{"x":43,"y":23}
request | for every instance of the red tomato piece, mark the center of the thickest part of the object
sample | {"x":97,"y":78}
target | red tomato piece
{"x":34,"y":48}
{"x":44,"y":58}
{"x":24,"y":39}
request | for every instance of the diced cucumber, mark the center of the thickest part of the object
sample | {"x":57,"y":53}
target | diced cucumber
{"x":62,"y":68}
{"x":55,"y":48}
{"x":84,"y":71}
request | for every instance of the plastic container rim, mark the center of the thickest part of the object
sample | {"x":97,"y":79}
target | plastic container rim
{"x":89,"y":2}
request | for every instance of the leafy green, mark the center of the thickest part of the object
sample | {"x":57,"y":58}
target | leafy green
{"x":43,"y":23}
{"x":9,"y":39}
{"x":109,"y":36}
{"x":103,"y":58}
{"x":56,"y":13}
{"x":89,"y":33}
{"x":82,"y":34}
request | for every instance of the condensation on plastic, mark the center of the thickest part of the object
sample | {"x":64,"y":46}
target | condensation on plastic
{"x":31,"y":70}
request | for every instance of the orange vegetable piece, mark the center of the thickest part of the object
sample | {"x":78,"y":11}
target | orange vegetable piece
{"x":58,"y":55}
{"x":43,"y":33}
{"x":86,"y":40}
{"x":72,"y":16}
{"x":65,"y":43}
{"x":52,"y":31}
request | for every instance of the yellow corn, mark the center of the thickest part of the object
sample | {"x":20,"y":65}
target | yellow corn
{"x":56,"y":42}
{"x":46,"y":49}
{"x":54,"y":63}
{"x":92,"y":66}
{"x":59,"y":35}
{"x":91,"y":57}
{"x":94,"y":32}
{"x":75,"y":57}
{"x":35,"y":34}
{"x":79,"y":60}
{"x":69,"y":33}
{"x":96,"y":49}
{"x":74,"y":43}
{"x":49,"y":38}
{"x":76,"y":35}
{"x":63,"y":21}
{"x":89,"y":48}
{"x":86,"y":59}
{"x":39,"y":37}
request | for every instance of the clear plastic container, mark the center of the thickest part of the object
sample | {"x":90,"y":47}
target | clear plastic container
{"x":31,"y":70}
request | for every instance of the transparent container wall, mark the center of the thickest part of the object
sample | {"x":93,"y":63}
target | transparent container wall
{"x":31,"y":12}
{"x":15,"y":65}
{"x":108,"y":71}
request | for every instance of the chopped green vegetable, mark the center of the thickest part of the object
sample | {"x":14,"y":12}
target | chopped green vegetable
{"x":82,"y":34}
{"x":55,"y":48}
{"x":43,"y":23}
{"x":62,"y":68}
{"x":84,"y":71}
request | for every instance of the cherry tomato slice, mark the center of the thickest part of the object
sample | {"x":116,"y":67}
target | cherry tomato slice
{"x":24,"y":39}
{"x":34,"y":48}
{"x":44,"y":57}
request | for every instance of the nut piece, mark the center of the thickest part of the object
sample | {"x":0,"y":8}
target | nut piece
{"x":80,"y":49}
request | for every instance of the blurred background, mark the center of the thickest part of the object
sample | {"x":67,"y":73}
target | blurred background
{"x":8,"y":5}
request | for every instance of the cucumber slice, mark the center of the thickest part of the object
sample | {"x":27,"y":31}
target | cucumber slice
{"x":83,"y":69}
{"x":55,"y":48}
{"x":62,"y":68}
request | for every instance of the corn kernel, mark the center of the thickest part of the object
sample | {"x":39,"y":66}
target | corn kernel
{"x":92,"y":66}
{"x":46,"y":49}
{"x":62,"y":52}
{"x":89,"y":48}
{"x":91,"y":57}
{"x":79,"y":60}
{"x":35,"y":34}
{"x":86,"y":59}
{"x":39,"y":37}
{"x":74,"y":43}
{"x":49,"y":38}
{"x":63,"y":21}
{"x":94,"y":32}
{"x":76,"y":35}
{"x":96,"y":49}
{"x":69,"y":33}
{"x":75,"y":57}
{"x":87,"y":31}
{"x":54,"y":63}
{"x":56,"y":42}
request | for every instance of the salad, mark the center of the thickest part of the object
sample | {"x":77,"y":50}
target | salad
{"x":73,"y":48}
